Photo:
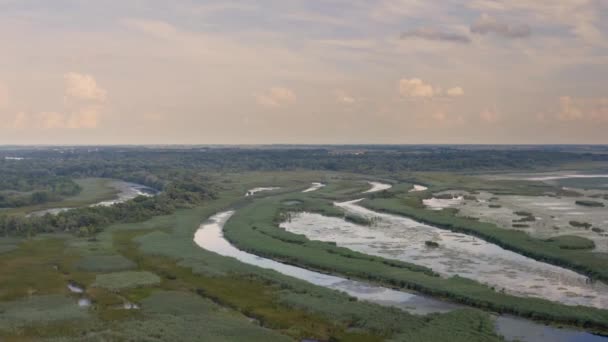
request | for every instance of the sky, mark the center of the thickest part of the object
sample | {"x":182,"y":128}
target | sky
{"x":303,"y":72}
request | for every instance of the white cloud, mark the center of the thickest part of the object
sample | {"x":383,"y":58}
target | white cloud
{"x":276,"y":97}
{"x":52,"y":120}
{"x":587,"y":109}
{"x":456,"y":91}
{"x":416,"y":88}
{"x":83,"y":87}
{"x":86,"y":117}
{"x":84,"y":100}
{"x":83,"y":103}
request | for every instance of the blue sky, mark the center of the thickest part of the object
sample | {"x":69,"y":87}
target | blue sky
{"x":334,"y":71}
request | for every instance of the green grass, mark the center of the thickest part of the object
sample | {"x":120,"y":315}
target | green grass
{"x":270,"y":241}
{"x":105,"y":263}
{"x":191,"y":294}
{"x":39,"y":310}
{"x":590,"y":263}
{"x":572,"y":242}
{"x":125,"y":280}
{"x":587,"y":203}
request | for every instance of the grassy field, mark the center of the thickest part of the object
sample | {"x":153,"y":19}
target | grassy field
{"x":187,"y":293}
{"x":580,"y":260}
{"x":254,"y":228}
{"x":94,"y":190}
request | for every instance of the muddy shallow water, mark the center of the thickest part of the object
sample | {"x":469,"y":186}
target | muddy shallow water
{"x":404,"y":239}
{"x":377,"y":186}
{"x":314,"y":187}
{"x":210,"y":237}
{"x":254,"y":191}
{"x":552,"y":215}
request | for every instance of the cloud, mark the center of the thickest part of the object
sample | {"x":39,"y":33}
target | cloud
{"x":84,"y":100}
{"x":583,"y":18}
{"x":487,"y":24}
{"x":83,"y":103}
{"x":83,"y":87}
{"x":52,"y":120}
{"x":432,"y":34}
{"x":583,"y":109}
{"x":456,"y":91}
{"x":19,"y":121}
{"x":344,"y":98}
{"x":416,"y":88}
{"x":276,"y":97}
{"x":87,"y":117}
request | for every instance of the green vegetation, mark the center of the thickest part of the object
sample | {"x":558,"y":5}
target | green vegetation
{"x":578,"y":224}
{"x":431,"y":244}
{"x":142,"y":251}
{"x":588,"y":203}
{"x":125,"y":280}
{"x":572,"y":242}
{"x":586,"y":262}
{"x":104,"y":263}
{"x":87,"y":221}
{"x":33,"y":187}
{"x":93,"y":190}
{"x":270,"y":241}
{"x":39,"y":310}
{"x":524,"y":217}
{"x":358,"y":219}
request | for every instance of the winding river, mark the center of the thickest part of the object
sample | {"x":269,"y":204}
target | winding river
{"x":126,"y":191}
{"x":210,"y":237}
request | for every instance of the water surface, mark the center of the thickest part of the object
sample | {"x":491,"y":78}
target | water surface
{"x":400,"y":238}
{"x":377,"y":186}
{"x":314,"y":187}
{"x":253,"y":191}
{"x":210,"y":237}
